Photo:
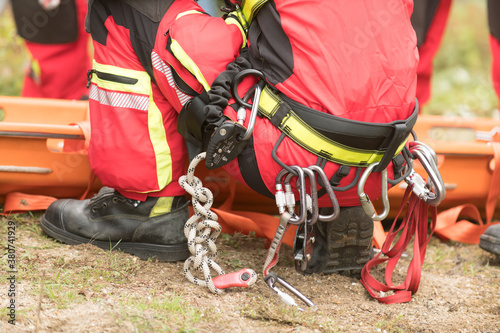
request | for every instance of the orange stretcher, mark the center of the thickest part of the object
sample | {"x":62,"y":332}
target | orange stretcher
{"x":43,"y":152}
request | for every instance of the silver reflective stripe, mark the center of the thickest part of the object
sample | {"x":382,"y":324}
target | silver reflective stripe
{"x":119,"y":99}
{"x":160,"y":66}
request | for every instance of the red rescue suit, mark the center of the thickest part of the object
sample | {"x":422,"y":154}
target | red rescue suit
{"x":58,"y":47}
{"x":362,"y":68}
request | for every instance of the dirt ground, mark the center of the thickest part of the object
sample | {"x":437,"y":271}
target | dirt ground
{"x":86,"y":289}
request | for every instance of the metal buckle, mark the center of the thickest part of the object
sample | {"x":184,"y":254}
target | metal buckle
{"x":365,"y":200}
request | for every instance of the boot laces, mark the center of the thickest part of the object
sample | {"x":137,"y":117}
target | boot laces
{"x":101,"y":199}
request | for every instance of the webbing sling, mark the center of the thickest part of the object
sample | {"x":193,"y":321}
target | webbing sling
{"x":281,"y":115}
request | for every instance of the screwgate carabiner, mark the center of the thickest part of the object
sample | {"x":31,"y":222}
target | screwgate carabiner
{"x":427,"y":157}
{"x":365,"y":200}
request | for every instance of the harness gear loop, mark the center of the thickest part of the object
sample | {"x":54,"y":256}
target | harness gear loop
{"x":365,"y":200}
{"x":424,"y":190}
{"x":201,"y":231}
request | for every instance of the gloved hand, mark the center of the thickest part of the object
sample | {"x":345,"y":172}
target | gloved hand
{"x":202,"y":119}
{"x":225,"y":144}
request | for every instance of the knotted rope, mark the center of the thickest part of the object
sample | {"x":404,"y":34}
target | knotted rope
{"x":201,"y":230}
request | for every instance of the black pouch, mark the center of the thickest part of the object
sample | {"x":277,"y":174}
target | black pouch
{"x":37,"y":25}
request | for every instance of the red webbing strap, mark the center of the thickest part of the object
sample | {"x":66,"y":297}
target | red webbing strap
{"x":450,"y":227}
{"x":414,"y":225}
{"x":273,"y":252}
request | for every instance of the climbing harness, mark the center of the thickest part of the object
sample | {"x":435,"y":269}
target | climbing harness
{"x":201,"y":231}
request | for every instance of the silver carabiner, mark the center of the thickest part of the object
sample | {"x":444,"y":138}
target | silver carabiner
{"x":253,"y":114}
{"x":365,"y":200}
{"x":331,"y":194}
{"x":427,"y":157}
{"x":312,"y":205}
{"x":271,"y":279}
{"x":301,"y":187}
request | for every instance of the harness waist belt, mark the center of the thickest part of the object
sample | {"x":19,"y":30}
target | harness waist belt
{"x":336,"y":139}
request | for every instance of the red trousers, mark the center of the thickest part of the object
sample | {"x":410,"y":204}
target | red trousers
{"x":429,"y":20}
{"x":59,"y":70}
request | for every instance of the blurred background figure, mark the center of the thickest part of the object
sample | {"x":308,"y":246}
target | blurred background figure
{"x":429,"y":20}
{"x":58,"y":47}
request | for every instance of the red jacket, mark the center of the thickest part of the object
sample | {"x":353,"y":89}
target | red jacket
{"x":356,"y":60}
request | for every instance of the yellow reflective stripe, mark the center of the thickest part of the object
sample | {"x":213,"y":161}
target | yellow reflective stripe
{"x":160,"y":145}
{"x":188,"y":12}
{"x":156,"y":130}
{"x":233,"y":20}
{"x":162,"y":206}
{"x":250,"y":8}
{"x":188,"y":63}
{"x":311,"y":140}
{"x":143,"y":85}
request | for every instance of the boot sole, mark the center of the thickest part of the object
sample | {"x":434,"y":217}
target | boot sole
{"x":344,"y":245}
{"x":143,"y":251}
{"x":350,"y":239}
{"x":490,"y":244}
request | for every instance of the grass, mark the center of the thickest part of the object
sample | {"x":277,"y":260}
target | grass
{"x":68,"y":278}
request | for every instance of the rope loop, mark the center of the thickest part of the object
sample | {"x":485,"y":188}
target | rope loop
{"x":201,"y":230}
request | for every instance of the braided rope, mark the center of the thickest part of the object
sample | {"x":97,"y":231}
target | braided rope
{"x":201,"y":230}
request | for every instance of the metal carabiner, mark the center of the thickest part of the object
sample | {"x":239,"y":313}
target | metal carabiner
{"x":312,"y":205}
{"x":365,"y":200}
{"x":331,"y":194}
{"x":241,"y":114}
{"x":253,"y":115}
{"x":271,"y":279}
{"x":280,"y":196}
{"x":301,"y":188}
{"x":427,"y":157}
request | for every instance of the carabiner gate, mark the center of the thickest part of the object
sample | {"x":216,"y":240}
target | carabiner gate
{"x":365,"y":200}
{"x":271,"y":280}
{"x":331,"y":194}
{"x":427,"y":157}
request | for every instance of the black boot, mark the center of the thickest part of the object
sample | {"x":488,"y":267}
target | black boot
{"x":490,"y":240}
{"x":146,"y":229}
{"x":344,"y":245}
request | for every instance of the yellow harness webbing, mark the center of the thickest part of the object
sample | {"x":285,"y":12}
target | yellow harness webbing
{"x":273,"y":107}
{"x":247,"y":11}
